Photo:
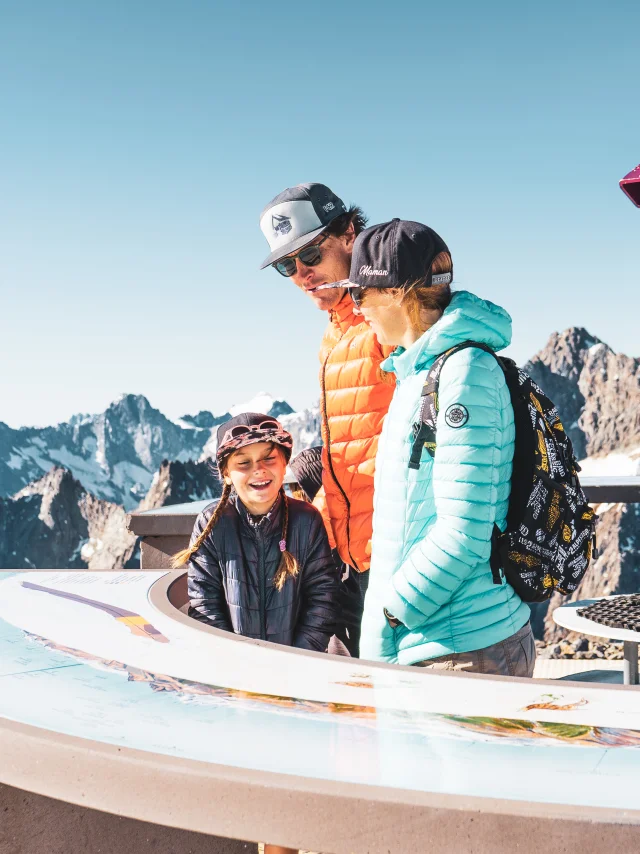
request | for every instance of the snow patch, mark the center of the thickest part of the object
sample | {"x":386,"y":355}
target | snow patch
{"x":184,"y":425}
{"x":15,"y":461}
{"x":625,"y":463}
{"x":91,"y":547}
{"x":209,"y":449}
{"x":262,"y":402}
{"x":600,"y":509}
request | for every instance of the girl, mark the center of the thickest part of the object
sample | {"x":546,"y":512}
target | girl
{"x":259,"y":562}
{"x":431,"y":600}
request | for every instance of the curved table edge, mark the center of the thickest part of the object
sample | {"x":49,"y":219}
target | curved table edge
{"x":252,"y":804}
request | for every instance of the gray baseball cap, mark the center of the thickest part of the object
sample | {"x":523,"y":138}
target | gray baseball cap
{"x":296,"y":216}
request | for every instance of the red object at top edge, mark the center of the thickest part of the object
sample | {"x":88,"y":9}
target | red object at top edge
{"x":630,"y":185}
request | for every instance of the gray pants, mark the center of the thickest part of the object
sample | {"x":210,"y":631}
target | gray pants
{"x":514,"y":656}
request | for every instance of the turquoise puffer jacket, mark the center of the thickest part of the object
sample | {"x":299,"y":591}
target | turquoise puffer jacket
{"x":432,"y":527}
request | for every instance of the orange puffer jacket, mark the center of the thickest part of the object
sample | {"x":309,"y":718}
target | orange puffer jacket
{"x":353,"y":403}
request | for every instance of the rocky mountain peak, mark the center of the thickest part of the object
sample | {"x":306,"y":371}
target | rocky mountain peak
{"x":280,"y":408}
{"x":178,"y":482}
{"x":204,"y":420}
{"x":55,"y":523}
{"x":59,"y":494}
{"x":565,"y":352}
{"x":596,"y":390}
{"x":57,"y":479}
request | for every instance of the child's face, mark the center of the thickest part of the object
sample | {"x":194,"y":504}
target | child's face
{"x":256,"y":473}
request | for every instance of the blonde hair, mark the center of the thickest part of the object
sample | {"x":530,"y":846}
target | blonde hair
{"x":288,"y":566}
{"x":298,"y":492}
{"x":180,"y":558}
{"x":416,"y":297}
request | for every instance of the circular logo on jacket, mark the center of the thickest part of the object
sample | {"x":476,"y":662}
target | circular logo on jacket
{"x":456,"y":415}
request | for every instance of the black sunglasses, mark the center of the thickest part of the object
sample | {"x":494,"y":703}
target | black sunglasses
{"x":310,"y":256}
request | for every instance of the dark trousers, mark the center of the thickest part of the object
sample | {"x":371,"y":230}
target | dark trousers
{"x":352,"y":592}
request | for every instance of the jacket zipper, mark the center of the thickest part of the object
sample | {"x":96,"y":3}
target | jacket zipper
{"x":261,"y":586}
{"x":333,"y":474}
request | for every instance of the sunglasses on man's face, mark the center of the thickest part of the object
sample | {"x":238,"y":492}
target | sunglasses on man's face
{"x":310,"y":256}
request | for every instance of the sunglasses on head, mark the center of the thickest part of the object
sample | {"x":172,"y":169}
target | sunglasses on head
{"x":310,"y":256}
{"x":244,"y":429}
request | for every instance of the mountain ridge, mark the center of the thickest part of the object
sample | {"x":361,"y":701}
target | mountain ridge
{"x":115,"y":453}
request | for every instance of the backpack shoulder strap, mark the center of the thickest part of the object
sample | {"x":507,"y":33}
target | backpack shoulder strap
{"x":424,"y":430}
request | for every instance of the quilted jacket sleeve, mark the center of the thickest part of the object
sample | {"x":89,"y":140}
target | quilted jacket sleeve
{"x":320,"y":503}
{"x":207,"y":601}
{"x":466,"y":471}
{"x":320,"y":590}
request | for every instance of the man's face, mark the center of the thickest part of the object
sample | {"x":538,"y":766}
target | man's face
{"x":334,"y":265}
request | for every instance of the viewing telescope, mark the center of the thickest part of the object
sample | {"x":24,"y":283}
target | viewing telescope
{"x":630,"y":185}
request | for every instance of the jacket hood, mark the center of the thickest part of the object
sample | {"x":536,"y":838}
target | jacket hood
{"x":467,"y":318}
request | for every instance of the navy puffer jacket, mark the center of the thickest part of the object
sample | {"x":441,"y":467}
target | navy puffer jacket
{"x":231,"y":576}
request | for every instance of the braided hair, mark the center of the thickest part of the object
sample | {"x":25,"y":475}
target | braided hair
{"x":184,"y":556}
{"x":288,"y":566}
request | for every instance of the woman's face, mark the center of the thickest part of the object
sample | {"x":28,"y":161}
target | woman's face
{"x":386,"y":315}
{"x":256,"y":473}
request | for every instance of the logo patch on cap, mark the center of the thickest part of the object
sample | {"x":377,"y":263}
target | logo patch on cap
{"x":328,"y":207}
{"x":367,"y":270}
{"x":281,"y":224}
{"x":441,"y":279}
{"x":456,"y":415}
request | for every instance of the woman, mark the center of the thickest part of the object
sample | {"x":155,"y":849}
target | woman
{"x":432,"y":600}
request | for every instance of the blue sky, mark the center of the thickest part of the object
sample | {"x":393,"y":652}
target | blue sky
{"x":141,"y":140}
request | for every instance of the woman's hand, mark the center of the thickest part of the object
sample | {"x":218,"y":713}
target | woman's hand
{"x":393,"y":621}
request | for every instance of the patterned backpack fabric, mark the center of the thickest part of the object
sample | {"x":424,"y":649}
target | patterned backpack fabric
{"x":550,"y":535}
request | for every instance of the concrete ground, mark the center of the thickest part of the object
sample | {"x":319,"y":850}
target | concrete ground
{"x":577,"y":670}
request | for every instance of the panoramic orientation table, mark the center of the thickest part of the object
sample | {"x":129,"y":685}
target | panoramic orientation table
{"x":567,"y":616}
{"x":113,"y":699}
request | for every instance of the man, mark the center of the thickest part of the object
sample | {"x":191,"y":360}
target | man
{"x":311,"y":235}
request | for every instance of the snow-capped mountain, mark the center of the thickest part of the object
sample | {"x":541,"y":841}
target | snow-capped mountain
{"x":262,"y":402}
{"x":115,"y":454}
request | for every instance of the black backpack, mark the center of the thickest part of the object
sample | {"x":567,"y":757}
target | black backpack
{"x":550,"y":535}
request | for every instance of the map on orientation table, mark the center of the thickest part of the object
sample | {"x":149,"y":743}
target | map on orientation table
{"x":90,"y":655}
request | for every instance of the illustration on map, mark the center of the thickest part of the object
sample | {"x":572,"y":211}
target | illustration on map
{"x":518,"y":731}
{"x":136,"y":624}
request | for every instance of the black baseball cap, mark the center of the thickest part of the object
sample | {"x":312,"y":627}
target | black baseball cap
{"x":296,"y":216}
{"x":393,"y":255}
{"x":307,"y":469}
